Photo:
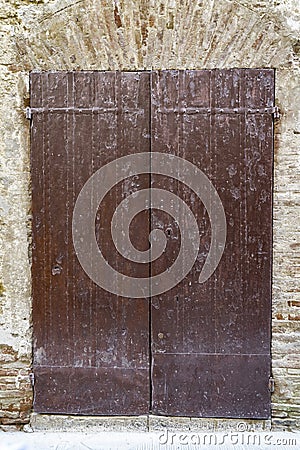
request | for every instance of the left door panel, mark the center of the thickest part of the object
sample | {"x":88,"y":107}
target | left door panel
{"x":91,"y":347}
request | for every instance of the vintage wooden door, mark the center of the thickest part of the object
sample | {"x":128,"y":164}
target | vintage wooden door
{"x":129,"y":328}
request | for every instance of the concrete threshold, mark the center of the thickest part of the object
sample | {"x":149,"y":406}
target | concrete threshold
{"x":152,"y":423}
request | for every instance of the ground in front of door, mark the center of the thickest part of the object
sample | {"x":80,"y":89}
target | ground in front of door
{"x":165,"y":440}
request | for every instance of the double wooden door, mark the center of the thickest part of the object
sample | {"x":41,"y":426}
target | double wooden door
{"x":188,"y":348}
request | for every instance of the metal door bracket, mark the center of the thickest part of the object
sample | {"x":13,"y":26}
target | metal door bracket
{"x":28,"y":113}
{"x":271,"y":384}
{"x":31,"y":377}
{"x":276,"y":112}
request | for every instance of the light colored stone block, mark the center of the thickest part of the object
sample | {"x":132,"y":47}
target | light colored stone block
{"x":58,"y":422}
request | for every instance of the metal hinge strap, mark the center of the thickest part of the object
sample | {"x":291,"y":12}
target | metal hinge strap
{"x":28,"y":113}
{"x":204,"y":110}
{"x":31,"y":377}
{"x":271,"y":384}
{"x":276,"y":112}
{"x":94,"y":109}
{"x":201,"y":110}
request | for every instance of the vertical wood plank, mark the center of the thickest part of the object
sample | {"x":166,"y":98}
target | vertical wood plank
{"x":211,"y":351}
{"x":92,"y":347}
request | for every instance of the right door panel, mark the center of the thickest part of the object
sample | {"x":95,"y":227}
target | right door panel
{"x":211,"y":340}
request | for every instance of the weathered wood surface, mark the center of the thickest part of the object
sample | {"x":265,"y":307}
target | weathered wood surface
{"x":207,"y":345}
{"x":90,"y":347}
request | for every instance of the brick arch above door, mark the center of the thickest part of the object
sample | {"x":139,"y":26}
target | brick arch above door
{"x":137,"y":35}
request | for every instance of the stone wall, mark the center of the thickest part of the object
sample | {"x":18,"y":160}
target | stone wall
{"x":137,"y":35}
